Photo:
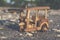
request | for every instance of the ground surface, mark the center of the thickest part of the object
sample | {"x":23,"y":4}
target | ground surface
{"x":9,"y":33}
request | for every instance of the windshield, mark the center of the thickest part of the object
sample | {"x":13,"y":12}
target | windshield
{"x":37,"y":13}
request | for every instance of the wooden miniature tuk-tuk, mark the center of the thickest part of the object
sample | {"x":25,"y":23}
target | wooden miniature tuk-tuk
{"x":34,"y":19}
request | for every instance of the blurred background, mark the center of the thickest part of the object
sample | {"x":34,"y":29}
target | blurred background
{"x":54,"y":4}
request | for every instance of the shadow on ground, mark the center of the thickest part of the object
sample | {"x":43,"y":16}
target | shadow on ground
{"x":9,"y":25}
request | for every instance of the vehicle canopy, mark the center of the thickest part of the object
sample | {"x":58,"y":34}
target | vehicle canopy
{"x":39,"y":8}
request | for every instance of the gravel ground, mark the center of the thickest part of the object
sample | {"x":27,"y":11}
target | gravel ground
{"x":9,"y":33}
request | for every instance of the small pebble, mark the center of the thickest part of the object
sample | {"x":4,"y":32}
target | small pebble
{"x":51,"y":20}
{"x":29,"y":34}
{"x":3,"y":37}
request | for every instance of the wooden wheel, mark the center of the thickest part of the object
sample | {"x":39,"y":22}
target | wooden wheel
{"x":44,"y":27}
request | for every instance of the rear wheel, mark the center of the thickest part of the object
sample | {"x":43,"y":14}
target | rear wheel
{"x":44,"y":28}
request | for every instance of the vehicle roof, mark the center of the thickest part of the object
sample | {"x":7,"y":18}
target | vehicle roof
{"x":38,"y":8}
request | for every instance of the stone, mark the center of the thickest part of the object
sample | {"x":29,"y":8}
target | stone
{"x":29,"y":34}
{"x":51,"y":20}
{"x":3,"y":37}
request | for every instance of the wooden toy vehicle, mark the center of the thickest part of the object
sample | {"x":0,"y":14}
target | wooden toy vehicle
{"x":34,"y":19}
